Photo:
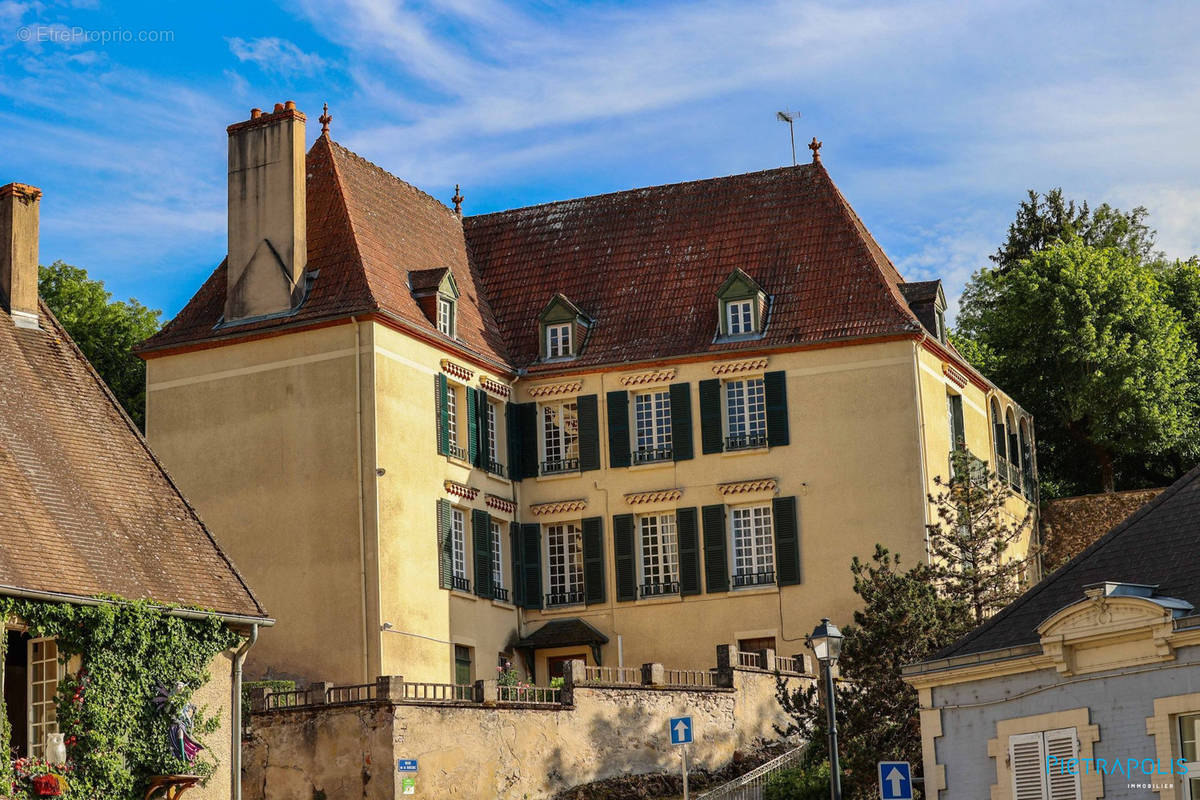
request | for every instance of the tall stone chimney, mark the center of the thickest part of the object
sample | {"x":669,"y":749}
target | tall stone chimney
{"x":19,"y":252}
{"x":267,"y":247}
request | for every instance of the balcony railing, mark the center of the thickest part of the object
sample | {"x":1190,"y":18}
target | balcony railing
{"x":974,"y":470}
{"x":657,"y":588}
{"x":461,"y":583}
{"x":541,"y":695}
{"x":652,"y":455}
{"x":494,"y":467}
{"x":564,"y":598}
{"x":560,"y":465}
{"x":746,"y":442}
{"x":438,"y":692}
{"x":457,"y":452}
{"x":757,"y":578}
{"x":500,"y":593}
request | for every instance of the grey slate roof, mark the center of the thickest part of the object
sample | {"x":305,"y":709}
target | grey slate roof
{"x":563,"y":633}
{"x":1157,"y":544}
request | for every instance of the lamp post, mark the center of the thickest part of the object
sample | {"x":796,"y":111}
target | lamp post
{"x":826,"y":644}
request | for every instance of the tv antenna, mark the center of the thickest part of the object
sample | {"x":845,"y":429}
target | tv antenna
{"x":790,"y":118}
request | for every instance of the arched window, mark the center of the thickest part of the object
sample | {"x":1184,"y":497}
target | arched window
{"x":1014,"y":449}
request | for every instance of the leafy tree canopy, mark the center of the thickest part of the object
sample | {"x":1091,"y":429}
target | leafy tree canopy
{"x":105,"y":330}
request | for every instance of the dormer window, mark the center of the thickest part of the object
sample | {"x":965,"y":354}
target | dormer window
{"x":445,"y":315}
{"x":563,"y":329}
{"x":928,"y":303}
{"x":436,"y":292}
{"x":742,"y":305}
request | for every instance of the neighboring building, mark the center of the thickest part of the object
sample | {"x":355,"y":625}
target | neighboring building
{"x":86,"y":511}
{"x":1070,"y":524}
{"x":622,"y":428}
{"x":1101,"y":660}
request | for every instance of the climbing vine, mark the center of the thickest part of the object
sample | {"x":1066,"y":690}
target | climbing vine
{"x":140,"y":668}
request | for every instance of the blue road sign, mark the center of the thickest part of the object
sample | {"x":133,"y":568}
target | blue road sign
{"x":406,"y":765}
{"x":680,"y":729}
{"x":895,"y":780}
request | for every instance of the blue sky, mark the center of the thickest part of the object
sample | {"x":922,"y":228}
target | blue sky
{"x":936,"y":116}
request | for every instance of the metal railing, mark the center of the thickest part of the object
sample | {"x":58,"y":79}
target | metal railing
{"x":494,"y":467}
{"x":651,"y":455}
{"x":456,"y":451}
{"x":750,"y":786}
{"x":747,"y":659}
{"x":564,"y":598}
{"x":350,"y":694}
{"x":287,"y":699}
{"x":630,"y":675}
{"x":438,"y":692}
{"x":542,"y":695}
{"x":560,"y":465}
{"x":689,"y":677}
{"x":656,"y":588}
{"x":975,"y":469}
{"x":746,"y":442}
{"x":460,"y":583}
{"x":759,"y":578}
{"x":500,"y":593}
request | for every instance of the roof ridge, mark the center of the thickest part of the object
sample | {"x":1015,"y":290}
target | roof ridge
{"x":391,"y":175}
{"x":1115,"y":532}
{"x":349,"y":218}
{"x":141,"y":440}
{"x":633,"y":190}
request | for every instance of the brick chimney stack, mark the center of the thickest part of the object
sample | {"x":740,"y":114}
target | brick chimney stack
{"x":19,"y":252}
{"x":268,"y":251}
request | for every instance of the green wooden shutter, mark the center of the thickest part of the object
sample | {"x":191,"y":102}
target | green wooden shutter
{"x":588,"y":409}
{"x":775,"y":389}
{"x":593,"y":559}
{"x":716,"y":566}
{"x":624,"y":557}
{"x":681,"y":421}
{"x":712,"y":438}
{"x":445,"y":545}
{"x":512,"y":425}
{"x":532,"y":564}
{"x":443,"y":415}
{"x":481,"y":538}
{"x":787,"y":541}
{"x":958,"y":436}
{"x":618,"y":429}
{"x":485,"y":432}
{"x":516,"y":553}
{"x":688,"y":534}
{"x":528,"y":413}
{"x":472,"y":426}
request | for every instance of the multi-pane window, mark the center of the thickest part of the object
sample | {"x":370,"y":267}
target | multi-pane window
{"x":652,"y":426}
{"x":1189,"y":743}
{"x":445,"y":316}
{"x":739,"y":317}
{"x":564,"y":551}
{"x":753,"y":545}
{"x":452,"y":420}
{"x":558,"y":340}
{"x":45,"y":672}
{"x":560,"y":437}
{"x":458,"y":548}
{"x":497,"y":559}
{"x":492,"y":453}
{"x":660,"y":555}
{"x":745,"y":413}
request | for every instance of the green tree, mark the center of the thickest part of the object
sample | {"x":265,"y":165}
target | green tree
{"x":903,"y":618}
{"x":1087,"y":339}
{"x":105,"y":330}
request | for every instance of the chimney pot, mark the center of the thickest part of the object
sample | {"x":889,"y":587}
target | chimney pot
{"x":19,"y":252}
{"x":255,"y":113}
{"x":278,"y":108}
{"x":290,"y":105}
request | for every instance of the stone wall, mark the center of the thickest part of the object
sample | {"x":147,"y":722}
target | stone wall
{"x":478,"y":750}
{"x":1070,"y":524}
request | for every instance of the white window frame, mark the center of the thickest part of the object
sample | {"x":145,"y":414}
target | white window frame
{"x":445,"y":316}
{"x":497,"y":554}
{"x":752,"y":544}
{"x":564,"y":561}
{"x":559,"y":342}
{"x":1041,"y":781}
{"x":451,"y":415}
{"x":658,"y":535}
{"x":458,"y":542}
{"x":493,"y":436}
{"x":739,"y":317}
{"x":652,"y":426}
{"x":559,"y":432}
{"x":40,"y":708}
{"x":745,"y":403}
{"x":1191,"y":768}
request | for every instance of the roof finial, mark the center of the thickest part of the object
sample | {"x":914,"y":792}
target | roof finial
{"x":815,"y":146}
{"x":457,"y":200}
{"x":325,"y":119}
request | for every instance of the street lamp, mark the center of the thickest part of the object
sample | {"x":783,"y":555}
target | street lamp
{"x":826,"y":644}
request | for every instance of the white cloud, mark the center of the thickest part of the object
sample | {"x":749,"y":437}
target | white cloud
{"x":277,"y":56}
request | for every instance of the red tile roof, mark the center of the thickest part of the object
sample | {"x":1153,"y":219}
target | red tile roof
{"x":85,"y":508}
{"x":644,"y":264}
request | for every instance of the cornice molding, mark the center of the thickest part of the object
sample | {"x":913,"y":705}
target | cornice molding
{"x":501,"y":504}
{"x":558,"y":507}
{"x":645,"y":378}
{"x":494,"y":387}
{"x":556,"y":389}
{"x":457,"y":370}
{"x":748,"y":487}
{"x":660,"y":496}
{"x":954,"y":376}
{"x":738,"y":367}
{"x":461,"y":490}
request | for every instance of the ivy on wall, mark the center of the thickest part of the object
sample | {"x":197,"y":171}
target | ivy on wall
{"x":117,"y":734}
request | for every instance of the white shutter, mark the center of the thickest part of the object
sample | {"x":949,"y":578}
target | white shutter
{"x":1027,"y":760}
{"x":1062,"y":745}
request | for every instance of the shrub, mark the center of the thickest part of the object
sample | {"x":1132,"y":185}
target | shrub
{"x":809,"y":782}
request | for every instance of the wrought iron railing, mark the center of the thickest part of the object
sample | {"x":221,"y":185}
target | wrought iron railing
{"x":541,"y":695}
{"x":747,"y":441}
{"x":350,"y":694}
{"x":651,"y":455}
{"x":971,"y":468}
{"x":460,"y":583}
{"x":689,"y":677}
{"x":494,"y":467}
{"x":560,"y":465}
{"x":750,"y":786}
{"x":500,"y":593}
{"x":657,"y":588}
{"x":756,"y":578}
{"x":438,"y":692}
{"x":564,"y":598}
{"x":457,"y":452}
{"x":618,"y":675}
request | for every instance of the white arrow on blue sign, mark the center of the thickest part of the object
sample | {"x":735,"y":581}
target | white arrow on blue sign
{"x":895,"y":780}
{"x":406,"y":765}
{"x":680,"y":729}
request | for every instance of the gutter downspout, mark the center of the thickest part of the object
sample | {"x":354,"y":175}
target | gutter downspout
{"x":235,"y":749}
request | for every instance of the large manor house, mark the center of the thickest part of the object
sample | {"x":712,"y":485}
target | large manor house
{"x":626,"y":428}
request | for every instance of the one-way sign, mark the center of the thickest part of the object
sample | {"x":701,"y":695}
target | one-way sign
{"x":895,"y":780}
{"x":680,"y":729}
